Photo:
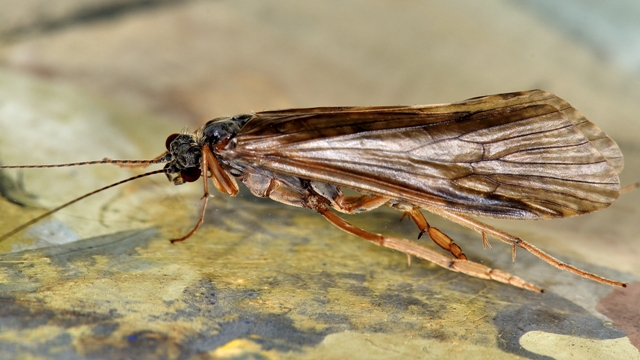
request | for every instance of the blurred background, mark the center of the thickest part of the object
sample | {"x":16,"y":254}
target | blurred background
{"x":84,"y":79}
{"x":190,"y":61}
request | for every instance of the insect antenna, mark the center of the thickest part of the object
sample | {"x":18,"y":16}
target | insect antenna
{"x":95,"y":162}
{"x":35,"y":220}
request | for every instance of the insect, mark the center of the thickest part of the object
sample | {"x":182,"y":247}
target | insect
{"x":522,"y":155}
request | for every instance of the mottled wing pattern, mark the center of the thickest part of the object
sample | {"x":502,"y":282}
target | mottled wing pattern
{"x":526,"y":155}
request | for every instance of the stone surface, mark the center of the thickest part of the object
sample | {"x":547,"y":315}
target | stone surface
{"x":262,"y":279}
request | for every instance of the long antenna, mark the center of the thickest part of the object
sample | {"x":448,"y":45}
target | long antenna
{"x":35,"y":220}
{"x":103,"y":161}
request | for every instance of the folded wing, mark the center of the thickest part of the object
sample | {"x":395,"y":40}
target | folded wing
{"x":526,"y":155}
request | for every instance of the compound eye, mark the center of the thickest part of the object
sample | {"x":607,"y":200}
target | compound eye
{"x":190,"y":174}
{"x":170,"y":140}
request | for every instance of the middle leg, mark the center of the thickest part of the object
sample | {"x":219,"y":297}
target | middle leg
{"x":357,"y":204}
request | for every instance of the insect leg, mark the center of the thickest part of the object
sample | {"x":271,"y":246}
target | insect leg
{"x":515,"y":241}
{"x":441,"y":239}
{"x":357,"y":204}
{"x":628,"y":188}
{"x":222,"y":180}
{"x":284,"y":189}
{"x":290,"y":191}
{"x":205,"y":199}
{"x":346,"y":204}
{"x":459,"y":265}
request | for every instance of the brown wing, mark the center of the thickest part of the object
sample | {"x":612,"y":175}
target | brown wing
{"x":526,"y":155}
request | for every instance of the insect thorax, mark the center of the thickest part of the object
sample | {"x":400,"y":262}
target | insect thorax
{"x":217,"y":132}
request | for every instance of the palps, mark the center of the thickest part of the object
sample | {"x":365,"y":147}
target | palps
{"x":524,"y":155}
